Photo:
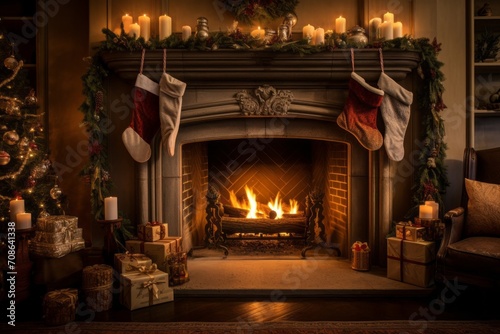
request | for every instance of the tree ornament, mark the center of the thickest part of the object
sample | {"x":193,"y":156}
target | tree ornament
{"x":43,"y":214}
{"x":11,"y":62}
{"x":11,"y":137}
{"x":55,"y":192}
{"x":39,"y":170}
{"x":31,"y":183}
{"x":4,"y":158}
{"x":31,"y":99}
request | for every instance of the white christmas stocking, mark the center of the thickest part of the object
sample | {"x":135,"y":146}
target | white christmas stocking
{"x":145,"y":120}
{"x":395,"y":110}
{"x":171,"y":92}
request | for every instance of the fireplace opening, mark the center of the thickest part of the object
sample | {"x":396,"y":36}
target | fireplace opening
{"x":271,"y":171}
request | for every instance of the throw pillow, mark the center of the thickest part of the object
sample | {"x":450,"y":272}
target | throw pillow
{"x":483,"y":208}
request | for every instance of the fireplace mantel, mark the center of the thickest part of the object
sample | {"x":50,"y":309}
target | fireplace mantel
{"x":237,"y":68}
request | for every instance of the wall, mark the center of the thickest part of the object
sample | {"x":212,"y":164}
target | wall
{"x":67,"y":35}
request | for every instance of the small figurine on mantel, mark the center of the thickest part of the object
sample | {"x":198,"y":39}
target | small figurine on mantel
{"x":485,"y":10}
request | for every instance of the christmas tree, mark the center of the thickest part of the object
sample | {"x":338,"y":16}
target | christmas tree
{"x":25,"y":167}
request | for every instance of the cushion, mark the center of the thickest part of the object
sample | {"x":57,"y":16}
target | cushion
{"x":483,"y":209}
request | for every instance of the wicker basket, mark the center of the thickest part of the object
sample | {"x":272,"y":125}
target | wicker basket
{"x":59,"y":306}
{"x":97,"y":285}
{"x":360,"y":260}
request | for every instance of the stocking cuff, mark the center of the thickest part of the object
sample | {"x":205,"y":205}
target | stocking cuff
{"x":172,"y":86}
{"x":392,"y":88}
{"x":147,"y":84}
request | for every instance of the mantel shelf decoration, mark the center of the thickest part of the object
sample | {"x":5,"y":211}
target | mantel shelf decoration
{"x":265,"y":101}
{"x":430,"y":180}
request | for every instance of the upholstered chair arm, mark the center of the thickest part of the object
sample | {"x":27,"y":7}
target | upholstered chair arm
{"x":453,"y":222}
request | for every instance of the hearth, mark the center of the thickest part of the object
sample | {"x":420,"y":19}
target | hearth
{"x":249,"y":118}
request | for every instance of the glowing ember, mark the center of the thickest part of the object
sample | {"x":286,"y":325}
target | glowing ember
{"x":276,"y":206}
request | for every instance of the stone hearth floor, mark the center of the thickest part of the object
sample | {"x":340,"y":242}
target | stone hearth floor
{"x":286,"y":275}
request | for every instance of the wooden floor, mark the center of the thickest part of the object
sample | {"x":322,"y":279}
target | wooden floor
{"x":471,"y":304}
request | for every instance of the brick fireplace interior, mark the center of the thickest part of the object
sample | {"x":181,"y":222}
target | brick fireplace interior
{"x":289,"y":151}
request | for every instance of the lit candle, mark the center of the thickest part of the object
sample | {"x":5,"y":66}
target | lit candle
{"x":145,"y":24}
{"x":258,"y":33}
{"x":23,"y":221}
{"x":319,"y":36}
{"x":435,"y":208}
{"x":127,"y":21}
{"x":389,"y":17}
{"x":186,"y":32}
{"x":425,"y":212}
{"x":373,"y":28}
{"x":135,"y":30}
{"x":165,"y":26}
{"x":340,"y":25}
{"x":308,"y":32}
{"x":110,"y":208}
{"x":397,"y":29}
{"x":16,"y":206}
{"x":386,"y":30}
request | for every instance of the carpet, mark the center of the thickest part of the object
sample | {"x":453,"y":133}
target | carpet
{"x":372,"y":327}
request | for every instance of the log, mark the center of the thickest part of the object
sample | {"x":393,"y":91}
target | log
{"x":232,"y":211}
{"x":232,"y":225}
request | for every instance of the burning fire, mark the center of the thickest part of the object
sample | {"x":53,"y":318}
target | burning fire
{"x":256,"y":209}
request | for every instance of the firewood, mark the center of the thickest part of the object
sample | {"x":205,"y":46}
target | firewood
{"x":232,"y":211}
{"x":231,"y":225}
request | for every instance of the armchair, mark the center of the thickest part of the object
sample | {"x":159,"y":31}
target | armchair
{"x":470,"y":249}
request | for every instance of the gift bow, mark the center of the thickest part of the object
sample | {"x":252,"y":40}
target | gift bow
{"x":59,"y":295}
{"x":360,"y":246}
{"x":152,"y":286}
{"x":133,"y":256}
{"x":147,"y":269}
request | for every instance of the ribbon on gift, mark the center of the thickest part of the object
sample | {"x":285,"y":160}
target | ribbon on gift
{"x":148,"y":270}
{"x":154,"y":291}
{"x":62,"y":296}
{"x":163,"y":230}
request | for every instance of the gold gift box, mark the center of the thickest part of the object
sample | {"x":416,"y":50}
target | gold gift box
{"x":56,"y":223}
{"x":58,"y":237}
{"x":59,"y":306}
{"x":55,"y":250}
{"x":409,"y":232}
{"x":411,"y":261}
{"x":127,"y":263}
{"x":152,"y":232}
{"x":140,"y":290}
{"x":157,"y":251}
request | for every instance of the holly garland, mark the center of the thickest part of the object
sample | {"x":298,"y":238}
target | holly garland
{"x":430,"y":177}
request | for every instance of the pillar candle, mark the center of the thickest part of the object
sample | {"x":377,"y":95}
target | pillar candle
{"x":425,"y":212}
{"x":127,"y":21}
{"x":308,"y":32}
{"x":135,"y":29}
{"x":16,"y":206}
{"x":186,"y":32}
{"x":145,"y":24}
{"x":373,"y":28}
{"x":23,"y":221}
{"x":435,"y":208}
{"x":340,"y":25}
{"x":165,"y":26}
{"x":389,"y":17}
{"x":110,"y":208}
{"x":319,"y":36}
{"x":258,"y":33}
{"x":386,"y":30}
{"x":397,"y":29}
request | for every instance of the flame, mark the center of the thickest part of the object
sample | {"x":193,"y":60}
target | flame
{"x":276,"y":206}
{"x":252,"y":200}
{"x":294,"y":206}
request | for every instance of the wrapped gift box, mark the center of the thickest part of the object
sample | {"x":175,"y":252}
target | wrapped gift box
{"x":55,"y":250}
{"x":57,"y":223}
{"x":411,"y":261}
{"x":157,"y":251}
{"x":140,"y":290}
{"x":59,"y":306}
{"x":129,"y":262}
{"x":58,"y":237}
{"x":409,"y":232}
{"x":152,"y":231}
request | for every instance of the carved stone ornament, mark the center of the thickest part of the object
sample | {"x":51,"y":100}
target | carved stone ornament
{"x":265,"y":101}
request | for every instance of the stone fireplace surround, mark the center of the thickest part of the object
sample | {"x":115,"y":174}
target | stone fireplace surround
{"x":211,"y":112}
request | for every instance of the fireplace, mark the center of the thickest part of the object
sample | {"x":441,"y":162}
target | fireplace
{"x":289,"y":144}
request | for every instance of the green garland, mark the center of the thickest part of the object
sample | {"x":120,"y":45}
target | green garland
{"x":431,"y":176}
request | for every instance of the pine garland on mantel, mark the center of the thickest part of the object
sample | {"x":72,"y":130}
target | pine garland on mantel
{"x":430,"y":180}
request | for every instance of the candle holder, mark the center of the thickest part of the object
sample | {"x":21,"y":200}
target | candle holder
{"x":110,"y":247}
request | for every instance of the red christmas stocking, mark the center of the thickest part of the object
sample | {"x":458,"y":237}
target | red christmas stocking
{"x":359,"y":116}
{"x":145,"y":120}
{"x":171,"y":92}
